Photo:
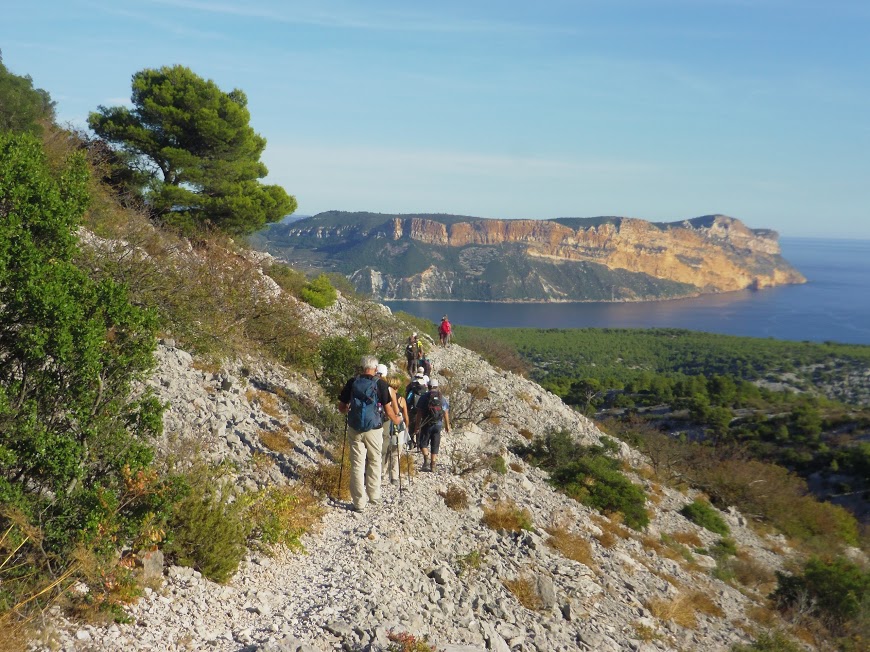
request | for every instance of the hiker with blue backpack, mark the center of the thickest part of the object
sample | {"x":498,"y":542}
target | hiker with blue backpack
{"x":433,"y":414}
{"x":366,"y":400}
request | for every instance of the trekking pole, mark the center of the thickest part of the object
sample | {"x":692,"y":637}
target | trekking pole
{"x":398,"y":459}
{"x":341,"y":464}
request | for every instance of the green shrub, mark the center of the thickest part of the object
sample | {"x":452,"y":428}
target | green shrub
{"x":840,"y":589}
{"x":319,"y":292}
{"x":208,"y":530}
{"x":770,"y":642}
{"x":287,"y":278}
{"x":589,"y":475}
{"x":498,"y":465}
{"x":339,"y":360}
{"x":75,"y":464}
{"x":703,"y":514}
{"x":281,"y":515}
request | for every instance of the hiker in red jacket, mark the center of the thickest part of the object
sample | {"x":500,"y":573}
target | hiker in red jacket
{"x":444,"y":331}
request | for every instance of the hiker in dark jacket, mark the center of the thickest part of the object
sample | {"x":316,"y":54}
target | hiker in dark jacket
{"x":413,"y":352}
{"x":357,"y":398}
{"x":433,"y":414}
{"x":415,"y":389}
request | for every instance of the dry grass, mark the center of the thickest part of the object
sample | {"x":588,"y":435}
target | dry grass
{"x":516,"y":466}
{"x":407,"y":466}
{"x":646,"y":633}
{"x":206,"y":366}
{"x":324,"y":478}
{"x":611,"y":530}
{"x":689,"y":539}
{"x":276,"y":440}
{"x":571,"y":545}
{"x":525,"y":590}
{"x":269,"y":404}
{"x":527,"y":434}
{"x":753,"y":574}
{"x":455,"y":497}
{"x":506,"y":515}
{"x":683,"y":609}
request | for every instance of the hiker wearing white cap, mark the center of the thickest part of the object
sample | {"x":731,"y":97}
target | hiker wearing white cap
{"x":433,"y":414}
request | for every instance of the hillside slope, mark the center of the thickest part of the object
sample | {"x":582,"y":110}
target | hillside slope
{"x":407,"y":564}
{"x":422,"y":257}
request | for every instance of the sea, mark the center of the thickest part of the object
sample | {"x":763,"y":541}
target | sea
{"x":834,"y":304}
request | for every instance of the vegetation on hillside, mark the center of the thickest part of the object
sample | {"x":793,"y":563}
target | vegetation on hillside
{"x":741,"y":397}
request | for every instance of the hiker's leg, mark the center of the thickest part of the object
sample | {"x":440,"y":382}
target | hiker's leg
{"x":357,"y":469}
{"x":372,"y":442}
{"x":385,"y":447}
{"x":435,"y":441}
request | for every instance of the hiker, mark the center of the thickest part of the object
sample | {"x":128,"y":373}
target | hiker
{"x":365,"y":399}
{"x":444,"y":331}
{"x":415,"y":389}
{"x":413,"y":352}
{"x":394,"y":436}
{"x":433,"y":414}
{"x":424,"y":364}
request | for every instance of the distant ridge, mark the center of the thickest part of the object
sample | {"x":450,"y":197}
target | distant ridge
{"x":430,"y":256}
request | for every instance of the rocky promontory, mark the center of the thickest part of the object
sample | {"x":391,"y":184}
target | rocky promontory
{"x":446,"y":257}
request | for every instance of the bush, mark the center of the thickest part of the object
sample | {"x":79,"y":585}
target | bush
{"x":770,"y":642}
{"x":75,"y":464}
{"x":209,"y":530}
{"x":281,"y":515}
{"x":839,"y":588}
{"x":319,"y":292}
{"x":703,"y":514}
{"x":589,"y":475}
{"x":287,"y":278}
{"x":339,"y":360}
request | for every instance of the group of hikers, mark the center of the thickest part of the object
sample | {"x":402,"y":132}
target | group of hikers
{"x":384,"y":419}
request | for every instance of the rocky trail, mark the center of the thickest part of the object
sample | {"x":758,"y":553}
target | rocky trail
{"x":413,"y":564}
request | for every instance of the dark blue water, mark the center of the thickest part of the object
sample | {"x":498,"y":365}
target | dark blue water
{"x":833,"y":305}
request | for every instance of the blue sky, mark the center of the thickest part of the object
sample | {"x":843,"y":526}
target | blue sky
{"x":657,"y":109}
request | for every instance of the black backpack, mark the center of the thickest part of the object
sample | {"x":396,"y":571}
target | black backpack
{"x":434,"y":408}
{"x":415,"y":391}
{"x":365,"y":411}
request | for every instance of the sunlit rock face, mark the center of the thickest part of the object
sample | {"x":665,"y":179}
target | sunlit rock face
{"x":569,"y":259}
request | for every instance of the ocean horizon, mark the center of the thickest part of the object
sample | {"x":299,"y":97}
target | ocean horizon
{"x":833,"y":304}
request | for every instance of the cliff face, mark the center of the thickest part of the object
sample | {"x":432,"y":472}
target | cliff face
{"x":720,"y":254}
{"x":443,"y":257}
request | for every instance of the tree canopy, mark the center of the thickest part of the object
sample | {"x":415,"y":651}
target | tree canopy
{"x":196,"y":150}
{"x":22,"y":106}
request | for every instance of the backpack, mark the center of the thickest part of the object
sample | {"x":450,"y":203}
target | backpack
{"x":415,"y":391}
{"x":427,"y":366}
{"x":365,"y":411}
{"x":411,"y":351}
{"x":434,"y":407}
{"x":444,"y":328}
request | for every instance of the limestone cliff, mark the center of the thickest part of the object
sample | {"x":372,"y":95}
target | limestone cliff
{"x":567,"y":259}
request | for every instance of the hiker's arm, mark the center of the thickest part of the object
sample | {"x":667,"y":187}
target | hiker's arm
{"x":447,"y":420}
{"x":391,"y":413}
{"x":343,"y":407}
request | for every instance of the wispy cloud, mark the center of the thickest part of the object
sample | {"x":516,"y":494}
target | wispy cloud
{"x":360,"y":16}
